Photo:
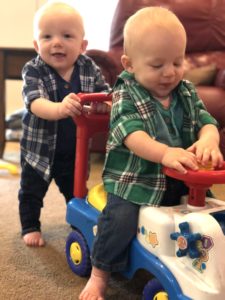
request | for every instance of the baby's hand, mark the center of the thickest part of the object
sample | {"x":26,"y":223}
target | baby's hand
{"x":207,"y":153}
{"x":97,"y":108}
{"x":70,"y":106}
{"x":179,"y":159}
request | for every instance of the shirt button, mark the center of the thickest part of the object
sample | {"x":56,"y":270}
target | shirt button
{"x":66,"y":86}
{"x":167,"y":120}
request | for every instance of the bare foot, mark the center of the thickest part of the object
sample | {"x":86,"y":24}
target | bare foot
{"x":96,"y":286}
{"x":33,"y":239}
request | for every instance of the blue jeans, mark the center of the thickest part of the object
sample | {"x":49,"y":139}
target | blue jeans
{"x":117,"y":226}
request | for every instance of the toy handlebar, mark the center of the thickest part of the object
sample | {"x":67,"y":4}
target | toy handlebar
{"x":87,"y":99}
{"x":198,"y":182}
{"x":94,"y":97}
{"x":88,"y":124}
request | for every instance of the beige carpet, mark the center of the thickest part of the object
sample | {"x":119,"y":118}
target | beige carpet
{"x":39,"y":274}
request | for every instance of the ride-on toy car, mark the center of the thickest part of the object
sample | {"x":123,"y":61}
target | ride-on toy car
{"x":181,"y":246}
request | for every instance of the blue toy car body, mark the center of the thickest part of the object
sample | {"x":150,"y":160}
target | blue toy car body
{"x":182,"y":246}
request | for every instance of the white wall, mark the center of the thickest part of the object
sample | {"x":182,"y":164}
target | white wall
{"x":16,"y":18}
{"x":97,"y":16}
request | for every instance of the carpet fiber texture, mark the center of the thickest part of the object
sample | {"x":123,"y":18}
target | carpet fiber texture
{"x":43,"y":273}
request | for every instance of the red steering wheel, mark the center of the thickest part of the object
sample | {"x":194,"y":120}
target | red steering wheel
{"x":198,"y":182}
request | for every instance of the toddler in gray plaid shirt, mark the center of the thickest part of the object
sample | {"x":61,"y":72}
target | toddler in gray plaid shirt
{"x":51,"y":83}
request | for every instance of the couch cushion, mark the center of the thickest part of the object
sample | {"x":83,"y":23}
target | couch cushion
{"x":204,"y":21}
{"x":204,"y":75}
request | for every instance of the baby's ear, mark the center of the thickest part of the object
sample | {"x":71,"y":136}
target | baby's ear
{"x":84,"y":46}
{"x":36,"y":46}
{"x":127,"y":63}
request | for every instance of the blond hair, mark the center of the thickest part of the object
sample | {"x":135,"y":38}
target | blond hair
{"x":145,"y":18}
{"x":60,"y":5}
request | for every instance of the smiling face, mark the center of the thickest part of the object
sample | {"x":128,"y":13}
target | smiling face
{"x":155,"y":55}
{"x":59,"y":38}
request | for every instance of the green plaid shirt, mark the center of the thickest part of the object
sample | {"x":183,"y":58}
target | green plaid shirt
{"x":127,"y":175}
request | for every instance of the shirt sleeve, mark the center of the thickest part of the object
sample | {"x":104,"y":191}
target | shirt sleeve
{"x":203,"y":116}
{"x":125,"y":118}
{"x":100,"y":84}
{"x":33,"y":85}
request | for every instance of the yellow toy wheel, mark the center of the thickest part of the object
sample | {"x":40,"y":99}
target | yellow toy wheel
{"x":154,"y":290}
{"x":76,"y":253}
{"x":161,"y":296}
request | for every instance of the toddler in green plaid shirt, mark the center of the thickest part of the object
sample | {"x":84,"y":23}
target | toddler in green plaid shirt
{"x":157,"y":120}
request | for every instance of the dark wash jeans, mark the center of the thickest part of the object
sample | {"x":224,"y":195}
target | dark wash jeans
{"x":117,"y":226}
{"x":33,"y":189}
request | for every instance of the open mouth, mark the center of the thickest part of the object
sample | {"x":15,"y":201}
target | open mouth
{"x":166,"y":85}
{"x":58,"y":55}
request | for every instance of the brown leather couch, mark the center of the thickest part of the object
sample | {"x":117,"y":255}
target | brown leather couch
{"x":204,"y":21}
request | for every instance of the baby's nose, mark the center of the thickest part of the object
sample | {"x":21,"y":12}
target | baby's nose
{"x":169,"y":70}
{"x":57,"y":41}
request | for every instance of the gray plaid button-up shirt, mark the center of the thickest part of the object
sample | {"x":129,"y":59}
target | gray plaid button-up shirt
{"x":38,"y":142}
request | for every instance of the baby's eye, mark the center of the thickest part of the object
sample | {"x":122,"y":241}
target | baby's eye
{"x":67,"y":35}
{"x":46,"y":36}
{"x":177,"y":64}
{"x":156,"y":66}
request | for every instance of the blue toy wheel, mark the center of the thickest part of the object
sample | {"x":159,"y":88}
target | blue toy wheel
{"x":78,"y":254}
{"x":153,"y":290}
